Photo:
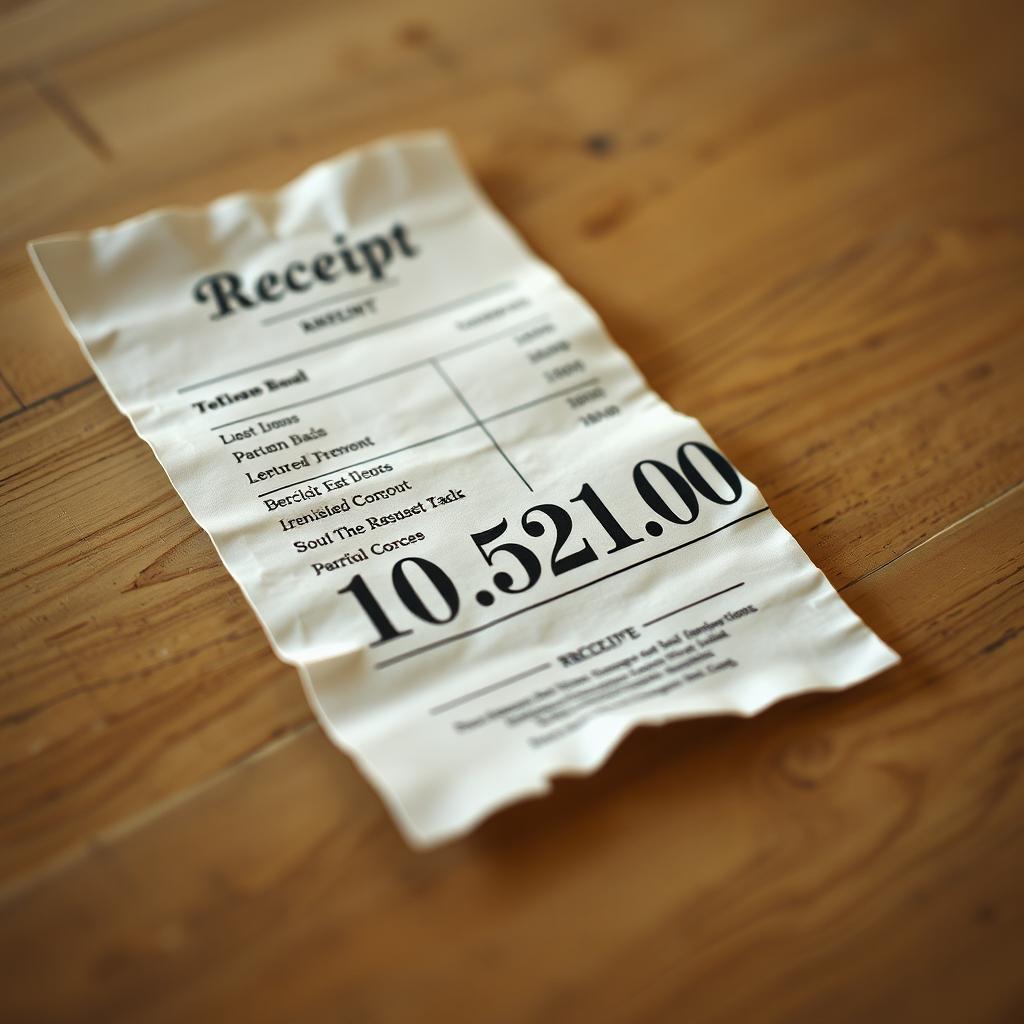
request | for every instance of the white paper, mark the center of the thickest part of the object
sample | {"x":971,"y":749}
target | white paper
{"x":391,"y":381}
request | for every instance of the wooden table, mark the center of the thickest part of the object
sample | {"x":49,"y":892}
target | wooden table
{"x":805,"y":221}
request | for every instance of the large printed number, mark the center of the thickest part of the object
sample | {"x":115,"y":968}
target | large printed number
{"x":562,"y":522}
{"x":526,"y":558}
{"x":431,"y":595}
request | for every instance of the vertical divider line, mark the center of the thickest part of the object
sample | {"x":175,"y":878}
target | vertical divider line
{"x":472,"y":412}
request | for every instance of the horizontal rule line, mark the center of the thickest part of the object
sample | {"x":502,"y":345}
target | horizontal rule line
{"x":428,"y":440}
{"x":545,"y":398}
{"x":692,"y":604}
{"x":557,"y":597}
{"x":403,"y":321}
{"x":372,"y":458}
{"x":328,"y":394}
{"x":397,"y":371}
{"x":473,"y":694}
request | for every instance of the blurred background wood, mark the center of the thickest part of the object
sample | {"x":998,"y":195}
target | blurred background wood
{"x":805,"y":221}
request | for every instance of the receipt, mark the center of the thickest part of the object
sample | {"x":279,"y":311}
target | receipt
{"x":453,"y":502}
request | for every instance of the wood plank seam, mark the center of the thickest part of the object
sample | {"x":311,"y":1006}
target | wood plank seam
{"x":113,"y":833}
{"x":46,"y":398}
{"x":69,"y":114}
{"x":935,"y":536}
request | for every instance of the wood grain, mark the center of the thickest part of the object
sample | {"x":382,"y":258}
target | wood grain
{"x":805,"y":224}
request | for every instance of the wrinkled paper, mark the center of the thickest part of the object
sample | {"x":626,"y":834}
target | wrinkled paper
{"x":454,"y":503}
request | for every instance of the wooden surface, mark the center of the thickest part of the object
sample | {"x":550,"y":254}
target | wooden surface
{"x":805,"y":221}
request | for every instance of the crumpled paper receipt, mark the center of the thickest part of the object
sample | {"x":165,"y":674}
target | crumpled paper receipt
{"x":488,"y":547}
